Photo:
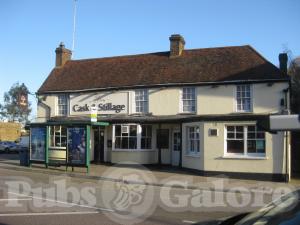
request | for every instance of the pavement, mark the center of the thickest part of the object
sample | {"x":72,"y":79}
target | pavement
{"x":159,"y":176}
{"x":170,"y":195}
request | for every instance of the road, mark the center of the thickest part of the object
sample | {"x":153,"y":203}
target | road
{"x":35,"y":198}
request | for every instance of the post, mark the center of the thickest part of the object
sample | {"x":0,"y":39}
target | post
{"x":88,"y":147}
{"x":159,"y":147}
{"x":47,"y":146}
{"x":180,"y":156}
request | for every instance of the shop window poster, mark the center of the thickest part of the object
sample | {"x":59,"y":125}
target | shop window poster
{"x":38,"y":143}
{"x":76,"y":145}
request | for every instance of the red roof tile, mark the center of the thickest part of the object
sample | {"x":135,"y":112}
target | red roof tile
{"x":193,"y":66}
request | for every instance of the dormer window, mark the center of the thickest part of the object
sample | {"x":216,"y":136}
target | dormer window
{"x":62,"y":105}
{"x":141,"y":101}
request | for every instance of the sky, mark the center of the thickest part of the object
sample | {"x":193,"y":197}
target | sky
{"x":30,"y":30}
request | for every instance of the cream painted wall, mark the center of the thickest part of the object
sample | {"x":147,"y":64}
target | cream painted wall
{"x":210,"y":100}
{"x":142,"y":157}
{"x":43,"y":111}
{"x":221,"y":99}
{"x":212,"y":155}
{"x":164,"y":101}
{"x":266,"y":99}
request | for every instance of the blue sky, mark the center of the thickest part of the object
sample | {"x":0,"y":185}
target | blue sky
{"x":32,"y":29}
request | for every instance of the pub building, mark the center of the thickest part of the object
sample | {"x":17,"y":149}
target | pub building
{"x":200,"y":109}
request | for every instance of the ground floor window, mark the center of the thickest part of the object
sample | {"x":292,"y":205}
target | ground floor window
{"x":193,"y":140}
{"x":132,"y":136}
{"x":58,"y":136}
{"x":126,"y":136}
{"x":245,"y":140}
{"x":146,"y":137}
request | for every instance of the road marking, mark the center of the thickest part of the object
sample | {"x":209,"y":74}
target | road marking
{"x":62,"y":202}
{"x":15,"y":199}
{"x":48,"y":214}
{"x":188,"y":221}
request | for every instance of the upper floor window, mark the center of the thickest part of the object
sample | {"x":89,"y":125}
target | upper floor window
{"x":189,"y":99}
{"x":243,"y":98}
{"x":245,"y":140}
{"x":193,"y":140}
{"x":62,"y":105}
{"x":141,"y":101}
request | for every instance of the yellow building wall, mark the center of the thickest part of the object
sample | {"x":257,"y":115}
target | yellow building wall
{"x":10,"y":131}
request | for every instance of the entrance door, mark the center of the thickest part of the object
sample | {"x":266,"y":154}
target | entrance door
{"x":98,"y":145}
{"x":176,"y":148}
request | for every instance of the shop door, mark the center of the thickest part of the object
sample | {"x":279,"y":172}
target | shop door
{"x":98,"y":145}
{"x":176,"y":148}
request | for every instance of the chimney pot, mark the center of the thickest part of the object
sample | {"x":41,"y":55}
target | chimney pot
{"x":283,"y":59}
{"x":62,"y":55}
{"x":176,"y":45}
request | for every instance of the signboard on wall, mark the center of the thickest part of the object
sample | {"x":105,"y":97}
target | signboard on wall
{"x":76,"y":145}
{"x":105,"y":103}
{"x":93,"y":114}
{"x":38,"y":143}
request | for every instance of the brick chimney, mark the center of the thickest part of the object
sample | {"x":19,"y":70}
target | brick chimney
{"x":283,"y":59}
{"x":176,"y":45}
{"x":62,"y":55}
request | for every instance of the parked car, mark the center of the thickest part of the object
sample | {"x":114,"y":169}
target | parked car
{"x":24,"y":142}
{"x":283,"y":211}
{"x":8,"y":146}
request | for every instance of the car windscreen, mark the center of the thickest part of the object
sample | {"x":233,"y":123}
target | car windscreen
{"x":285,"y":209}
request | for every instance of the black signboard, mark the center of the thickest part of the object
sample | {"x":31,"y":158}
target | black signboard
{"x":162,"y":138}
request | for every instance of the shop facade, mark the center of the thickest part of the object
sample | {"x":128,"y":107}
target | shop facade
{"x":164,"y":109}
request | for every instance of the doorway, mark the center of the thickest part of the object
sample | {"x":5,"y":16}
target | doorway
{"x":176,"y":145}
{"x":98,"y":145}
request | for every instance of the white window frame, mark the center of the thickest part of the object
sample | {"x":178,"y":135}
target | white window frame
{"x":139,"y":138}
{"x":58,"y":105}
{"x":251,"y":98}
{"x":182,"y":99}
{"x":58,"y":133}
{"x":147,"y":135}
{"x":189,"y":152}
{"x":245,"y":153}
{"x":141,"y":99}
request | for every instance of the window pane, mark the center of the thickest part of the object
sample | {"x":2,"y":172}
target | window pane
{"x":124,"y":143}
{"x":230,"y":128}
{"x":118,"y":130}
{"x":132,"y":143}
{"x":118,"y":142}
{"x":251,"y":146}
{"x":133,"y":130}
{"x":235,"y":146}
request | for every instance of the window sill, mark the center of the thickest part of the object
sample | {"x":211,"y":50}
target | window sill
{"x":244,"y":157}
{"x":187,"y":113}
{"x":193,"y":155}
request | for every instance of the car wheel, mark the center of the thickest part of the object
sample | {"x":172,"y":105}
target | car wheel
{"x":6,"y":150}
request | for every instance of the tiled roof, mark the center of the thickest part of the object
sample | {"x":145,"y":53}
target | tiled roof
{"x":193,"y":66}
